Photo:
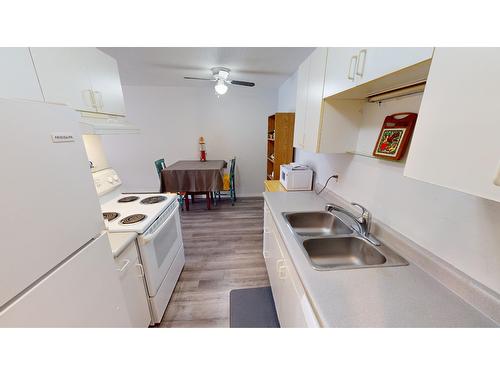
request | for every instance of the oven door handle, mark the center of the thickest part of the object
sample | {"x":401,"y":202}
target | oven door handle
{"x":149,"y":237}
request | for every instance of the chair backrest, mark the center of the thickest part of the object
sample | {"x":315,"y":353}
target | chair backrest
{"x":160,"y":165}
{"x":231,"y":168}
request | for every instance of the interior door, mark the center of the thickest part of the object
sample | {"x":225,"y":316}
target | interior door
{"x":63,"y":76}
{"x":50,"y":205}
{"x":17,"y":75}
{"x":84,"y":291}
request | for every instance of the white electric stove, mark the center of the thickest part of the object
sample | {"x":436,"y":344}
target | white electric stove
{"x":155,"y":218}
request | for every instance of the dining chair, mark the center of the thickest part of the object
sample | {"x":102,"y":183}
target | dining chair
{"x":181,"y":196}
{"x":232,"y":182}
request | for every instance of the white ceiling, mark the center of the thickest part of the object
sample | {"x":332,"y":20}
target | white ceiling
{"x":166,"y":66}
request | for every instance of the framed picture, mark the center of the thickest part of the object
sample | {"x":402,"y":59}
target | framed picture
{"x":395,"y":136}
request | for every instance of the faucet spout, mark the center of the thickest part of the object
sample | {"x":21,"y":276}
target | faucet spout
{"x":362,"y":222}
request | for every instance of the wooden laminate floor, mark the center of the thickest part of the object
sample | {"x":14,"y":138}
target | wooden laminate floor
{"x":223,"y":248}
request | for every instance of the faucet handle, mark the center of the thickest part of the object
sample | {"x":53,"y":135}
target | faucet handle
{"x":365,"y":214}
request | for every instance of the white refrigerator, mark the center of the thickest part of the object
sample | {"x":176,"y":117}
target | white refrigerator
{"x":56,"y":265}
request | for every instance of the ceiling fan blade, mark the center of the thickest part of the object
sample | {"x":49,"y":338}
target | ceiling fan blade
{"x":242,"y":83}
{"x":201,"y":79}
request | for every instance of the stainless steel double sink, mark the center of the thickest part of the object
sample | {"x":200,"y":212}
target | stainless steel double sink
{"x":332,"y":243}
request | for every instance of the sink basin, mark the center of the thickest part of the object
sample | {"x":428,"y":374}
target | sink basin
{"x":316,"y":223}
{"x":329,"y":244}
{"x":348,"y":252}
{"x":342,"y":252}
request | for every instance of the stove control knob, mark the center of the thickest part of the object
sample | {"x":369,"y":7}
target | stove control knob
{"x":110,"y":180}
{"x":115,"y":177}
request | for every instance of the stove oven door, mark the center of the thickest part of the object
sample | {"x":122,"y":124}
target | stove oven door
{"x":159,"y":245}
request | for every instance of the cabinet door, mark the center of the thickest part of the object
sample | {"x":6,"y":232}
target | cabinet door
{"x":291,"y":315}
{"x":456,"y":139}
{"x":301,"y":104}
{"x":63,"y":76}
{"x":132,"y":282}
{"x":17,"y":75}
{"x":105,"y":81}
{"x":340,"y":70}
{"x":375,"y":62}
{"x":271,"y":257}
{"x":315,"y":86}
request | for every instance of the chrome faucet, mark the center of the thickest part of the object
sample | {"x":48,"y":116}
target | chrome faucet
{"x":363,"y":222}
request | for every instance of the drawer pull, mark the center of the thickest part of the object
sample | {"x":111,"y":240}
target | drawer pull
{"x":141,"y":270}
{"x":125,"y":264}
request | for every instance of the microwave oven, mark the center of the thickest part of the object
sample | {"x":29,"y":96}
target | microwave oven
{"x":296,"y":177}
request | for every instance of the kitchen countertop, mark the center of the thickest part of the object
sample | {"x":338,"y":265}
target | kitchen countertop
{"x":120,"y":241}
{"x":371,"y":297}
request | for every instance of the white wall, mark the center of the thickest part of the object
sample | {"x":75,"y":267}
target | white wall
{"x":461,"y":229}
{"x":287,"y":94}
{"x":172,"y":119}
{"x":95,"y":152}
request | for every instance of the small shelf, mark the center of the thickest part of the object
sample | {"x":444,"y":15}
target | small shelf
{"x":279,"y":142}
{"x":367,"y":155}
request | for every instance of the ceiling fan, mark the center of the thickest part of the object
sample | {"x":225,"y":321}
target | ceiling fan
{"x":221,"y":76}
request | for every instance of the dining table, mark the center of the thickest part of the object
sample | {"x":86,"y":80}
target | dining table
{"x":193,"y":177}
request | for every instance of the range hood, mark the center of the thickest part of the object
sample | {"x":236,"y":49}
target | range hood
{"x":93,"y":123}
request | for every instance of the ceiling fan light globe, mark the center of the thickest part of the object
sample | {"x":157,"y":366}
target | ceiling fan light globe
{"x":221,"y":88}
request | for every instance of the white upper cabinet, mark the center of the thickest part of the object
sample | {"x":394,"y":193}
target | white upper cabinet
{"x":106,"y":84}
{"x":17,"y":75}
{"x":314,"y":112}
{"x":456,"y":141}
{"x":340,"y":70}
{"x":309,"y":105}
{"x":86,"y":79}
{"x":322,"y":126}
{"x":301,"y":104}
{"x":376,"y":62}
{"x":353,"y":66}
{"x":63,"y":76}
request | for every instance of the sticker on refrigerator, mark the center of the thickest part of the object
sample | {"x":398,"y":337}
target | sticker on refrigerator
{"x":62,"y":137}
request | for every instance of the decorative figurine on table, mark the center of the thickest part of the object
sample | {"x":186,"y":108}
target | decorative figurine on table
{"x":203,"y":150}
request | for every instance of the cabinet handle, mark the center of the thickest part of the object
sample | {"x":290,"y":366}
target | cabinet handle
{"x":282,"y":272}
{"x":353,"y":63}
{"x":141,"y":270}
{"x":100,"y":104}
{"x":126,"y":262}
{"x":361,"y":63}
{"x":281,"y":268}
{"x":278,"y":265}
{"x":88,"y":98}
